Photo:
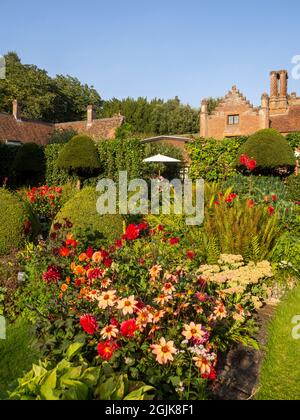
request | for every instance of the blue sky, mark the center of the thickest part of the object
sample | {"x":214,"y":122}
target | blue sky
{"x":158,"y":48}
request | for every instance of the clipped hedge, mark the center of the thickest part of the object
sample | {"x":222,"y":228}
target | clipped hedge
{"x":214,"y":160}
{"x":272,"y":152}
{"x":121,"y":155}
{"x":17,"y":222}
{"x":79,"y":156}
{"x":88,"y":225}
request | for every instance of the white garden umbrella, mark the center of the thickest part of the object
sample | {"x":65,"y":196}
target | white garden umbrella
{"x":161,"y":159}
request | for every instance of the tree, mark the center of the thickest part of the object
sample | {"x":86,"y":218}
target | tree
{"x":79,"y":157}
{"x":58,"y":99}
{"x":156,"y":117}
{"x":72,"y":98}
{"x":30,"y":85}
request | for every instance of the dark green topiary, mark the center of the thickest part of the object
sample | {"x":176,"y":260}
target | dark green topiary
{"x":293,"y":186}
{"x":79,"y":157}
{"x":29,"y":164}
{"x":273,"y":154}
{"x":88,"y":225}
{"x":17,"y":222}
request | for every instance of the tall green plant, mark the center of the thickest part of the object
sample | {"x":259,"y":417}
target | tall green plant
{"x":241,"y":229}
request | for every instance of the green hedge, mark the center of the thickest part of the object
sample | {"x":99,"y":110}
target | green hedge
{"x":212,"y":159}
{"x":88,"y":225}
{"x":17,"y":222}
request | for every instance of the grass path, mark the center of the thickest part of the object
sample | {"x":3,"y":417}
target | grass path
{"x":16,"y":356}
{"x":280,"y":375}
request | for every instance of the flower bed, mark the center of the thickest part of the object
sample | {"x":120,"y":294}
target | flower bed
{"x":147,"y":307}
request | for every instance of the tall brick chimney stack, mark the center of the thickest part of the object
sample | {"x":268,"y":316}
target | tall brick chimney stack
{"x":16,"y":110}
{"x":91,"y":115}
{"x":274,"y":84}
{"x":283,"y":82}
{"x":279,"y":92}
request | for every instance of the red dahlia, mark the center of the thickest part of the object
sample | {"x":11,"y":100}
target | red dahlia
{"x":89,"y":323}
{"x":251,"y":165}
{"x":52,"y":275}
{"x":128,"y":328}
{"x":106,"y":350}
{"x":132,"y":232}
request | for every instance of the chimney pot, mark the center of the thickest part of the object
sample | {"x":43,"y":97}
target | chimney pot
{"x":91,"y":115}
{"x":16,"y":110}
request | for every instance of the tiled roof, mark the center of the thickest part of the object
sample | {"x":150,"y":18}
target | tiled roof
{"x":25,"y":131}
{"x":289,"y":122}
{"x":104,"y":128}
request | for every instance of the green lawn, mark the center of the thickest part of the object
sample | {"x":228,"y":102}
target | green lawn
{"x":280,"y":376}
{"x":16,"y":355}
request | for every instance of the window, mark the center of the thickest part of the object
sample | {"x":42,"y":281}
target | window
{"x":233,"y":119}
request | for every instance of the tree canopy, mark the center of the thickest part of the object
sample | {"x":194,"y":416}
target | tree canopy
{"x":59,"y":99}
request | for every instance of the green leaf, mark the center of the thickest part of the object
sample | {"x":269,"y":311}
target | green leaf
{"x":106,"y":389}
{"x":48,"y":391}
{"x":139,"y":394}
{"x":73,"y":350}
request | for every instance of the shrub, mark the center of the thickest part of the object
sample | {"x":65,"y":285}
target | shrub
{"x":87,"y":223}
{"x":17,"y":222}
{"x":29,"y":164}
{"x":7,"y":157}
{"x":212,"y":159}
{"x":293,"y":186}
{"x":271,"y":151}
{"x":79,"y":157}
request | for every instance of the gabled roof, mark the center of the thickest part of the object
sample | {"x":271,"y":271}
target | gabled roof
{"x":234,"y":95}
{"x":26,"y":131}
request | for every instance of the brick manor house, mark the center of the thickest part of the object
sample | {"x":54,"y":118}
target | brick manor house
{"x":236,"y":116}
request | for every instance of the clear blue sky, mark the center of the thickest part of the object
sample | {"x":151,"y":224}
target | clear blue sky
{"x":157,"y":48}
